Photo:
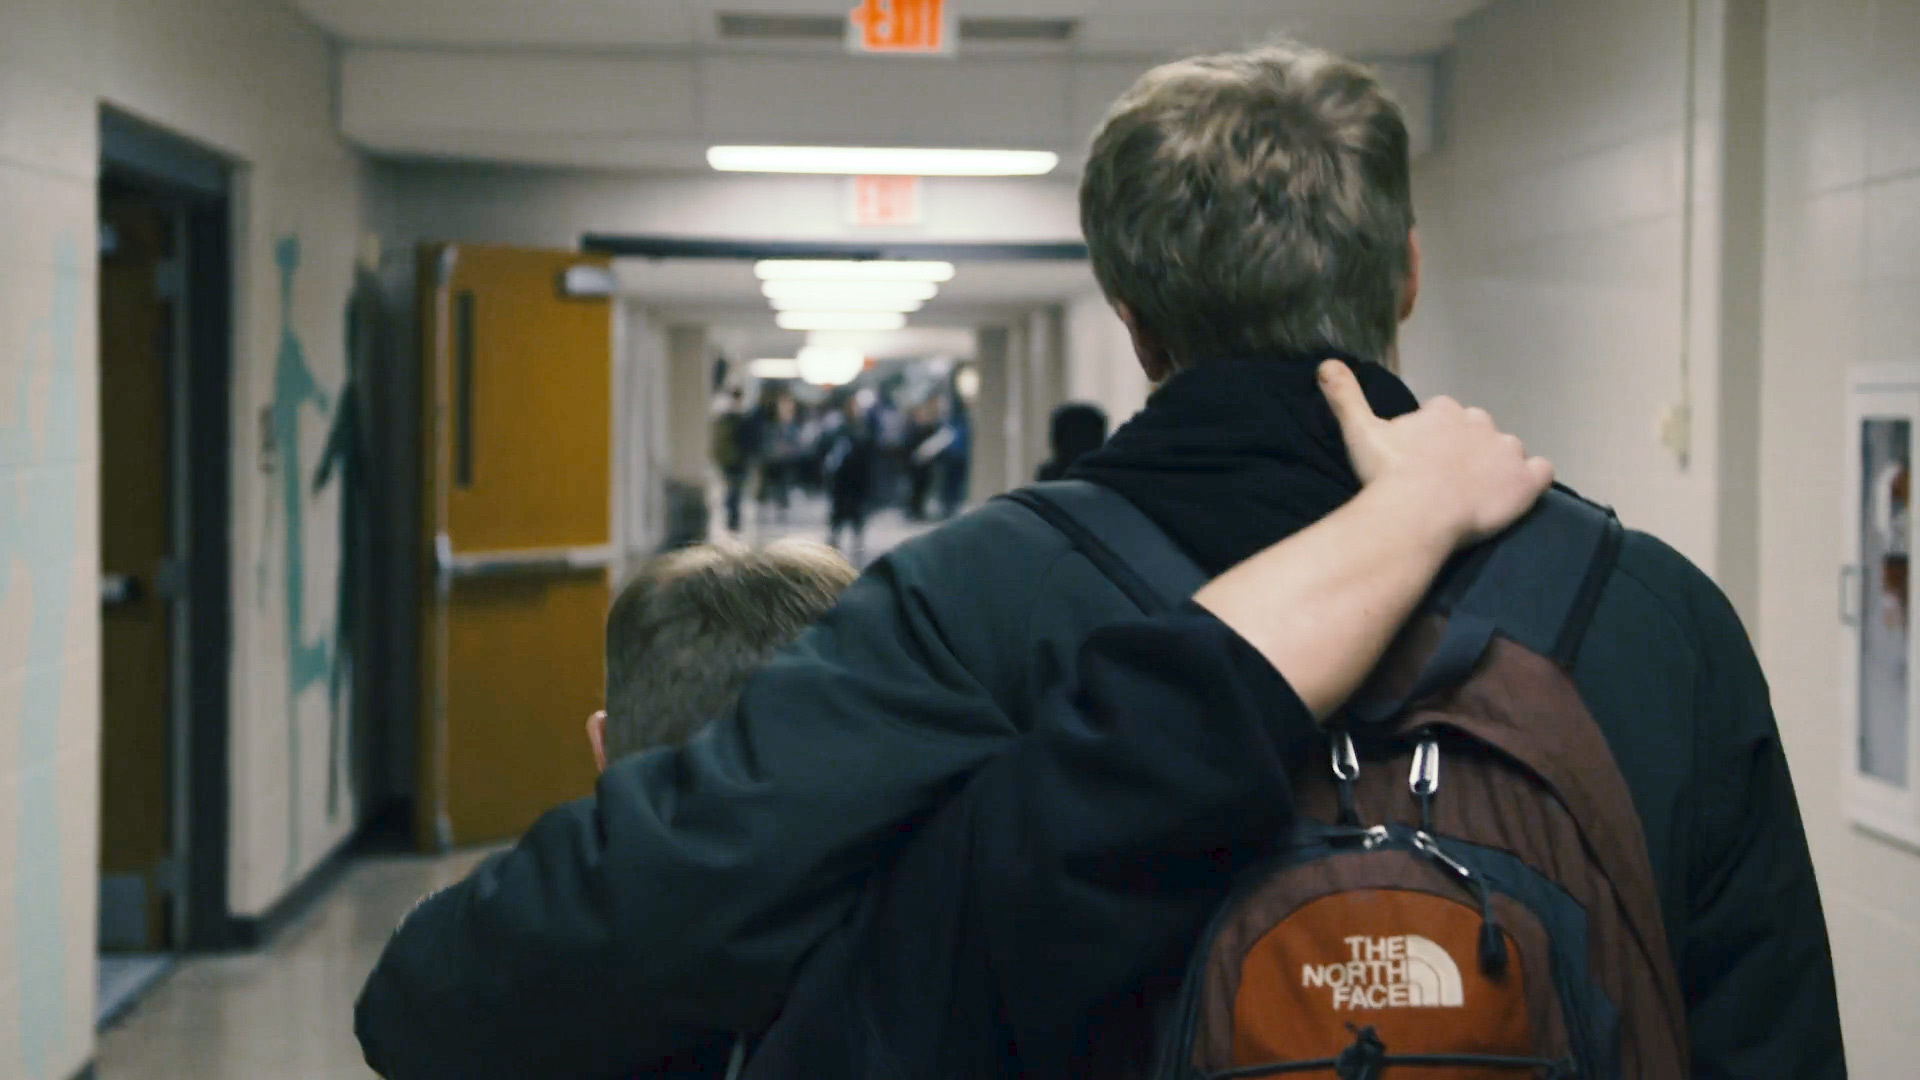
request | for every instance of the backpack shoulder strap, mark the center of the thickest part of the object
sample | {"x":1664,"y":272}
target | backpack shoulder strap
{"x":1541,"y":580}
{"x":1536,"y":584}
{"x":1123,"y":543}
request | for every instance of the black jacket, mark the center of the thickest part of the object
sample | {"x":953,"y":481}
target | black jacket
{"x":684,"y":899}
{"x":1074,"y":869}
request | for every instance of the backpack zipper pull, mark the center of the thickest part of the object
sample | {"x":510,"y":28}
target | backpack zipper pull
{"x":1424,"y":778}
{"x":1493,"y":942}
{"x":1346,"y":767}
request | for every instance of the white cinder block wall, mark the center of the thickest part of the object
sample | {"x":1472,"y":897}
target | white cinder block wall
{"x":1842,"y":281}
{"x":49,"y":625}
{"x":1552,"y":221}
{"x":1101,"y":367}
{"x":251,"y":81}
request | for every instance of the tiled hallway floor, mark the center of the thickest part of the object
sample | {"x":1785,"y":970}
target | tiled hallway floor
{"x":284,"y":1012}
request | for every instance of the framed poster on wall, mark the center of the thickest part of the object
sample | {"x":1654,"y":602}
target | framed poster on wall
{"x":1882,"y":756}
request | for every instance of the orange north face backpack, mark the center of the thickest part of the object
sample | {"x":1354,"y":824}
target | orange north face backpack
{"x":1466,"y":892}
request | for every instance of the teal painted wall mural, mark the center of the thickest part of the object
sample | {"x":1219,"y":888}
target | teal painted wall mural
{"x":309,"y":660}
{"x":343,"y":465}
{"x":37,"y":536}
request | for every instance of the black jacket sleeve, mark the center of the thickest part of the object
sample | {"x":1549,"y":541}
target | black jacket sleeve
{"x":680,"y":900}
{"x":1757,"y":971}
{"x":1069,"y":868}
{"x":1104,"y":846}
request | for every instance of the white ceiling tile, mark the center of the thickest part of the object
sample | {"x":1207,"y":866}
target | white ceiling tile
{"x":386,"y":90}
{"x":963,"y":103}
{"x":509,"y":23}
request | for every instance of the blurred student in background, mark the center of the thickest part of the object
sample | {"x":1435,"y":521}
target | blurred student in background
{"x":849,"y":467}
{"x":1078,"y":430}
{"x":780,"y":453}
{"x":956,"y":461}
{"x":947,"y":453}
{"x":734,"y":437}
{"x":923,"y":425}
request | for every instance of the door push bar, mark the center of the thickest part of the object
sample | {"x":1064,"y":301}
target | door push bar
{"x":518,"y":562}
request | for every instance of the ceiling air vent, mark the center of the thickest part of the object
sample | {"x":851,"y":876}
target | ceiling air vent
{"x":1018,"y":31}
{"x":746,"y":27}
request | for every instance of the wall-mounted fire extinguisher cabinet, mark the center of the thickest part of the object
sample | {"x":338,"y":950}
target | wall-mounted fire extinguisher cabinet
{"x":1882,"y":756}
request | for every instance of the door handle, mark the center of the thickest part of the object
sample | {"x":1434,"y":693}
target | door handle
{"x":520,"y":562}
{"x":119,"y":590}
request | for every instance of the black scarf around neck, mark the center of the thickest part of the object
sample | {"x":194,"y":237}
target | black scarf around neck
{"x":1231,"y":456}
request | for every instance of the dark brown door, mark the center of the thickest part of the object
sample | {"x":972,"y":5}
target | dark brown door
{"x":518,"y":489}
{"x":138,"y":327}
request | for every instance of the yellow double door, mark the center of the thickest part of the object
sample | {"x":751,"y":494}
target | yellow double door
{"x":517,"y":541}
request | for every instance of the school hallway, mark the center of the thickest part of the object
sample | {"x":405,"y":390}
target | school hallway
{"x":355,"y":354}
{"x":806,"y":519}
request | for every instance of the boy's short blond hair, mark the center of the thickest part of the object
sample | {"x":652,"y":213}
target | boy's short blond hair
{"x":686,"y":632}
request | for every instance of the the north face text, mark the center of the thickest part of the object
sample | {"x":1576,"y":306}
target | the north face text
{"x":1402,"y":972}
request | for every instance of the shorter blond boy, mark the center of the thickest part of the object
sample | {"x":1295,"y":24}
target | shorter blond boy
{"x":687,"y":631}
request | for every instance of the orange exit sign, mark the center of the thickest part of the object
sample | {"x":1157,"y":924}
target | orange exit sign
{"x":900,"y":26}
{"x":880,"y":201}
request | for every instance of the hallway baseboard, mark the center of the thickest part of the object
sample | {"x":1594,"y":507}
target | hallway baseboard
{"x":259,"y":931}
{"x":123,"y":980}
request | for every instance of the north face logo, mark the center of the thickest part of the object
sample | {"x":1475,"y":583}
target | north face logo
{"x":1405,"y":972}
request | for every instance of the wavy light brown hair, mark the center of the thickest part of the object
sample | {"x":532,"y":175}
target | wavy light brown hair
{"x":1253,"y":202}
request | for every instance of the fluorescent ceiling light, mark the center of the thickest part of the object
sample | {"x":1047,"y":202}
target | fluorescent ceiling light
{"x":829,"y":294}
{"x":847,"y":303}
{"x":840,"y":320}
{"x":823,"y":366}
{"x":774,"y":369}
{"x":881,"y":161}
{"x":850,"y":270}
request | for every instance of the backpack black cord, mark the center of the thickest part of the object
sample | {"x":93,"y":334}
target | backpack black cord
{"x":1541,"y":1068}
{"x":1367,"y":1056}
{"x":1362,"y":1060}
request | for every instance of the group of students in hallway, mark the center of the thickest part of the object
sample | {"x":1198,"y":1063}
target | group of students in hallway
{"x":972,"y":812}
{"x":860,"y":447}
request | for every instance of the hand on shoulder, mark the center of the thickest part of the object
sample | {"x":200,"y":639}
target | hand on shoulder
{"x":1448,"y":460}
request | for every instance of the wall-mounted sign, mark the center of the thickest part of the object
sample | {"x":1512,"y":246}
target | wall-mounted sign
{"x":901,"y":26}
{"x":880,"y":201}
